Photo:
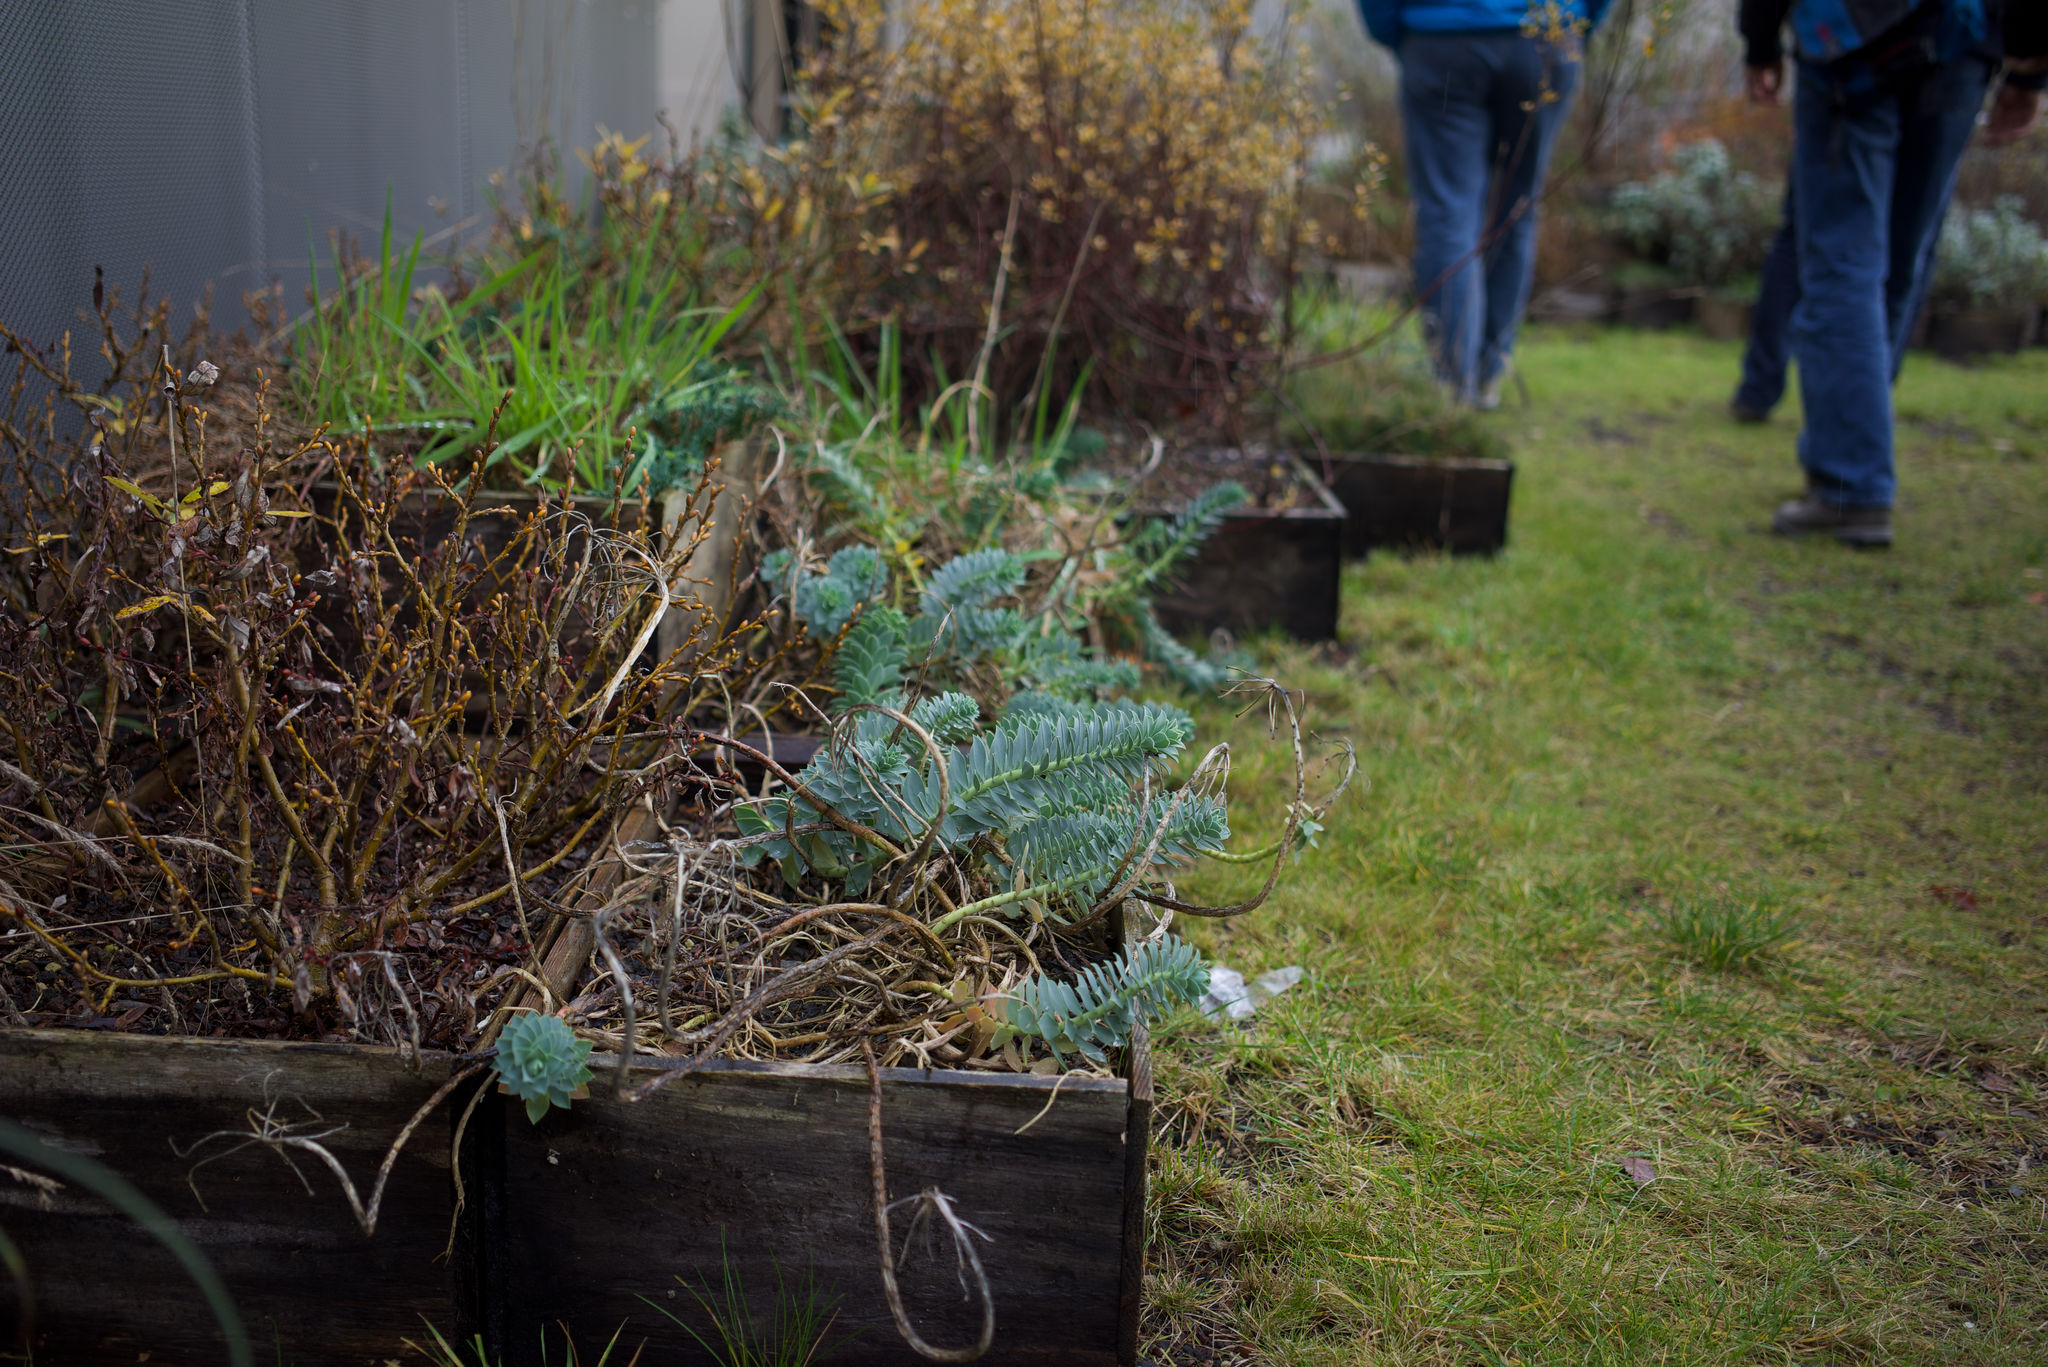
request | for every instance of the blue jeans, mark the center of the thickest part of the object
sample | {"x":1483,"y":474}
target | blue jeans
{"x":1769,"y":355}
{"x":1871,"y":179}
{"x":1480,"y":113}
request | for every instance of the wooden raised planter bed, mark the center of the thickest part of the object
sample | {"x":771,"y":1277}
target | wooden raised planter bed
{"x":1656,"y":307}
{"x":1723,"y":317}
{"x":428,"y":517}
{"x":1264,"y":567}
{"x":762,"y":1168}
{"x":1419,"y":503}
{"x":300,"y":1270}
{"x":1960,"y":334}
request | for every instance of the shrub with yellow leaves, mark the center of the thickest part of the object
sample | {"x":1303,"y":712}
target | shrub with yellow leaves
{"x":1120,"y":181}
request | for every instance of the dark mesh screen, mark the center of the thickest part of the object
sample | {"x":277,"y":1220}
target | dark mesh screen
{"x":210,"y":140}
{"x":128,"y":138}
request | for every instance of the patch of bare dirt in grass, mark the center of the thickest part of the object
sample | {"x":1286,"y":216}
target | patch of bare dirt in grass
{"x":1943,"y":429}
{"x":1940,"y":691}
{"x":1358,"y":1117}
{"x":1983,"y":1154}
{"x":1608,"y":434}
{"x":1666,"y":522}
{"x":1959,"y":1163}
{"x":1207,"y":1271}
{"x":1218,"y":1109}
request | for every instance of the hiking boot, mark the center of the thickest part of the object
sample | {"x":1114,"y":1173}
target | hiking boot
{"x":1808,"y":515}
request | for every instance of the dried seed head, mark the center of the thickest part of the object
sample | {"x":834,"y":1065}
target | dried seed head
{"x":205,"y":373}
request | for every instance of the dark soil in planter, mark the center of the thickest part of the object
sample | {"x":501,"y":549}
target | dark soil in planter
{"x":1411,"y":503}
{"x":1277,"y":562}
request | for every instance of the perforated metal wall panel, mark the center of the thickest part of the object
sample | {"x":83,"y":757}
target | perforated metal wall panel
{"x":213,"y":140}
{"x":128,"y":138}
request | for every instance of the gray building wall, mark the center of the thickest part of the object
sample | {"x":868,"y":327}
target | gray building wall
{"x":211,"y":140}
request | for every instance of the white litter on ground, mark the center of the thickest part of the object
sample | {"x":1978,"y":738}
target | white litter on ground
{"x":1231,"y":997}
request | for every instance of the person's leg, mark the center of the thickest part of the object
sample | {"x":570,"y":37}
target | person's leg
{"x":1444,"y":79}
{"x":1529,"y":105}
{"x":1842,"y":178}
{"x":1941,"y":115}
{"x":1766,"y":357}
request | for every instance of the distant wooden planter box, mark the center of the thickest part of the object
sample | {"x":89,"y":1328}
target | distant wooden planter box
{"x":1655,"y":306}
{"x":1264,"y":568}
{"x":762,"y":1169}
{"x":1959,"y":334}
{"x":1722,"y":317}
{"x":1416,"y":503}
{"x":1564,"y":304}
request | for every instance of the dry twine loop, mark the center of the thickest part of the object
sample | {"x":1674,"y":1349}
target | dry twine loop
{"x":930,"y":1201}
{"x":279,"y":1136}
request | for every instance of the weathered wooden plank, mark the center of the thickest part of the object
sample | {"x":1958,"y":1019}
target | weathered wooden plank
{"x":1138,"y":1132}
{"x":765,"y":1169}
{"x":303,"y":1275}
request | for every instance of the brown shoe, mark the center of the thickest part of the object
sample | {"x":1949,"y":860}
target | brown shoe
{"x":1868,"y":528}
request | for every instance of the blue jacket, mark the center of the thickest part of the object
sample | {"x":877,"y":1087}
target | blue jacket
{"x":1827,"y":29}
{"x":1389,"y":20}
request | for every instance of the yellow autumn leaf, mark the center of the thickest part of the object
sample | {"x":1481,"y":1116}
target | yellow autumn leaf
{"x":137,"y":492}
{"x":146,"y":605}
{"x":37,"y":542}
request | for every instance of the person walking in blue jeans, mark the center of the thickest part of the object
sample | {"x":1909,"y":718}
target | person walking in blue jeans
{"x":1884,"y":108}
{"x":1482,"y":98}
{"x":1768,"y":356}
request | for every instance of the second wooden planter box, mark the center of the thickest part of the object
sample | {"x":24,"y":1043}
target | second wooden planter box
{"x":1265,"y":567}
{"x":760,"y":1170}
{"x":1414,"y":503}
{"x":1959,"y":334}
{"x":1723,"y":317}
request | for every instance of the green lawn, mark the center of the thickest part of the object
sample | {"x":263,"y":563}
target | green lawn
{"x":1638,"y":745}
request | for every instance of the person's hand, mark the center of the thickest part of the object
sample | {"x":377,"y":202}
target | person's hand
{"x":1766,"y":83}
{"x":2013,"y":115}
